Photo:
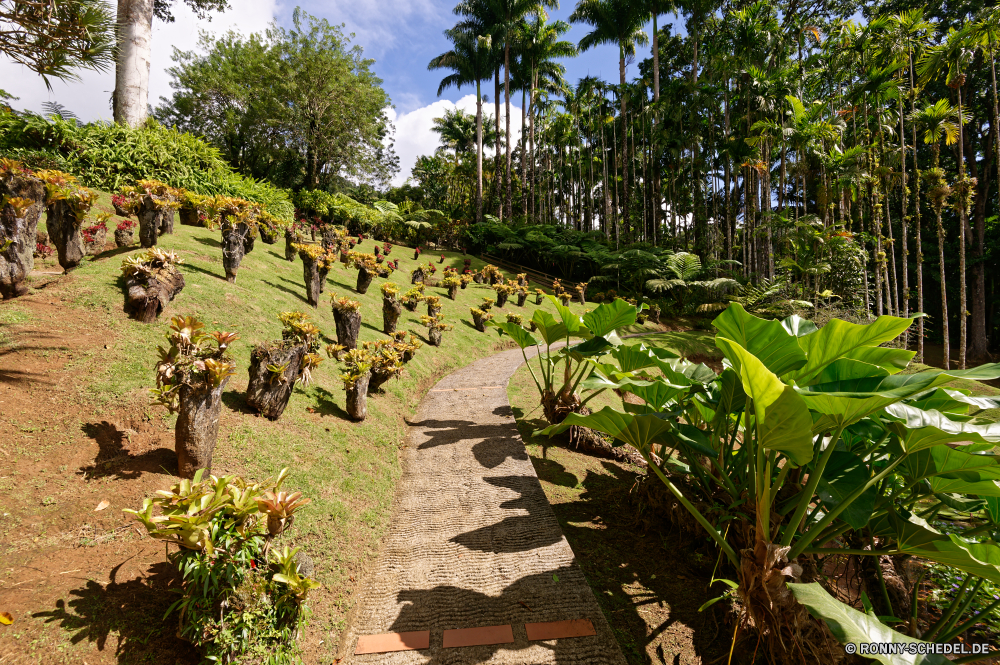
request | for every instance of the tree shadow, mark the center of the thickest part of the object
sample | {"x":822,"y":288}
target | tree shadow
{"x":129,"y":612}
{"x":111,"y":253}
{"x":295,"y":294}
{"x":469,"y":324}
{"x":327,"y":405}
{"x":210,"y":242}
{"x":115,"y":459}
{"x":516,"y":533}
{"x":280,"y":256}
{"x":236,"y":401}
{"x":538,"y":597}
{"x":191,"y":266}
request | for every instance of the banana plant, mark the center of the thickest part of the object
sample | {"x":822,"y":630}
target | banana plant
{"x":812,"y":438}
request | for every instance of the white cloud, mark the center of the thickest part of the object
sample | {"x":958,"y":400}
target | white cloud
{"x":415,"y":136}
{"x":381,"y":25}
{"x":90,"y":97}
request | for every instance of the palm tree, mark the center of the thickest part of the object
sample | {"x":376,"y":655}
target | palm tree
{"x":616,"y":22}
{"x":470,"y":61}
{"x":939,"y":120}
{"x":539,"y":48}
{"x":953,"y":57}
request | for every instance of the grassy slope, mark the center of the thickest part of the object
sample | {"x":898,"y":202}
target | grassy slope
{"x":349,"y":469}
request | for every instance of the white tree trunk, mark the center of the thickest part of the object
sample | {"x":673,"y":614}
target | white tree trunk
{"x":135,"y":41}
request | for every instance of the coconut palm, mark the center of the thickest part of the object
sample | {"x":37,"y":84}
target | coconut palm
{"x":470,"y":60}
{"x":617,"y":22}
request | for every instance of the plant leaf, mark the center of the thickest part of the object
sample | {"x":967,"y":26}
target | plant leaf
{"x":838,"y":338}
{"x":849,"y":625}
{"x":769,"y":341}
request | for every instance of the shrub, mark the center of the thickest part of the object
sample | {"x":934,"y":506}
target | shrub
{"x":242,"y":599}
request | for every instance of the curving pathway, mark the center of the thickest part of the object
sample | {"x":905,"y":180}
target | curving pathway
{"x":473,"y":540}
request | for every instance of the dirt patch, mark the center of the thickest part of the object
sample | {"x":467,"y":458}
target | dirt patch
{"x":74,"y":569}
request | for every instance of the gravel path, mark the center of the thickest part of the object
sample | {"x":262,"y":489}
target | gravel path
{"x":473,"y":540}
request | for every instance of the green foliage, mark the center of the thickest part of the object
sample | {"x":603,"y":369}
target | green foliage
{"x":242,"y":601}
{"x":831,"y":401}
{"x":111,"y":156}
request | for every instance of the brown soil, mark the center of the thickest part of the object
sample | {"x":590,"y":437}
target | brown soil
{"x":70,"y":559}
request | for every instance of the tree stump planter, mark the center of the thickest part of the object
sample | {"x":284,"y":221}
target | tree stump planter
{"x":188,"y":216}
{"x":267,"y":393}
{"x":146,"y":295}
{"x":479,"y":321}
{"x":150,"y":220}
{"x":364,"y":280}
{"x":654,"y":315}
{"x":124,"y":237}
{"x":357,"y":397}
{"x":478,"y":278}
{"x":531,"y":326}
{"x":434,"y":336}
{"x":501,"y":298}
{"x":290,"y":238}
{"x":20,"y":225}
{"x":417,"y":276}
{"x":64,"y":231}
{"x":453,"y":291}
{"x":640,"y":318}
{"x":538,"y":298}
{"x":521,"y":297}
{"x":268,"y":234}
{"x":167,"y":221}
{"x":197,"y":427}
{"x":234,"y":247}
{"x":345,"y":257}
{"x":380,"y":377}
{"x":391,"y":310}
{"x":522,"y":280}
{"x":411,"y":305}
{"x":348,"y":322}
{"x":123,"y":212}
{"x":565,"y":298}
{"x":96,"y":246}
{"x":248,"y":238}
{"x":314,"y":271}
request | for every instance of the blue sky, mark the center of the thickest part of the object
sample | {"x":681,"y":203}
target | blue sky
{"x":400,"y":35}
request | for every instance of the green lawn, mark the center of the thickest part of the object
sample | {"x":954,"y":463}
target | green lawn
{"x":348,"y":469}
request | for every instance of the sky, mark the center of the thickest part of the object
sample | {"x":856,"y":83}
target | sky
{"x":402,"y":36}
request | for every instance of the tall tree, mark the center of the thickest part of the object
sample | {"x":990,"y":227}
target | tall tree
{"x":130,"y":100}
{"x":471,"y":61}
{"x":617,"y":22}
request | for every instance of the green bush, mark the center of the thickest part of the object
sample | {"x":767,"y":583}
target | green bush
{"x":242,"y":600}
{"x":109,"y":156}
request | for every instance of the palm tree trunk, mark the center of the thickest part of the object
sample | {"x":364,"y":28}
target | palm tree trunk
{"x":479,"y":151}
{"x":524,"y":156}
{"x":624,"y":152}
{"x":531,"y":133}
{"x":904,"y":305}
{"x":916,"y":208}
{"x":964,"y":194}
{"x":497,"y":171}
{"x":506,"y":94}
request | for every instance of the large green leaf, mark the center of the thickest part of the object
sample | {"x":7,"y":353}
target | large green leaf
{"x":769,"y":341}
{"x":952,"y":401}
{"x":838,"y":338}
{"x":655,"y":394}
{"x":846,"y":368}
{"x":548,"y":327}
{"x":594,"y":346}
{"x":640,"y":431}
{"x":953,"y":464}
{"x":798,"y":327}
{"x":891,"y":360}
{"x":633,"y":357}
{"x":913,"y":536}
{"x":732,"y":397}
{"x":919,"y":429}
{"x":573,"y":322}
{"x":783,"y":421}
{"x":520,"y":336}
{"x":849,"y":625}
{"x":844,"y":473}
{"x":845,"y":402}
{"x":610,"y":316}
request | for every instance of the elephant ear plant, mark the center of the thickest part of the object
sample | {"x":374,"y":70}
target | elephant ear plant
{"x":275,"y":367}
{"x":190,"y":378}
{"x":811,"y":447}
{"x":241,"y":597}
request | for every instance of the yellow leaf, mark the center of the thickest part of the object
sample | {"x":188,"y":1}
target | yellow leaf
{"x":6,"y":619}
{"x":102,"y":505}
